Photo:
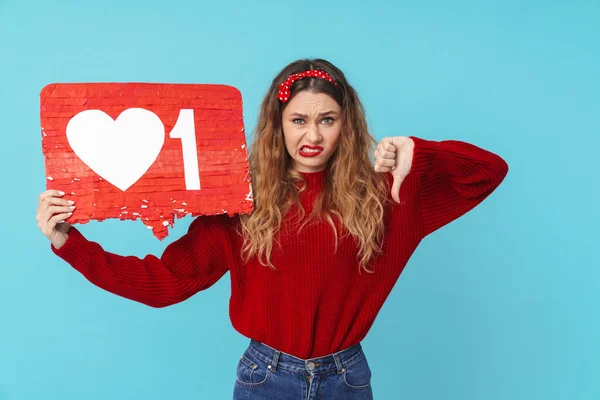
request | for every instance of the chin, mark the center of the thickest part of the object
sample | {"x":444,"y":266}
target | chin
{"x":310,"y":165}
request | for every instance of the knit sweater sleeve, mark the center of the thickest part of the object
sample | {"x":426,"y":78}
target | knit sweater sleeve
{"x":453,"y":177}
{"x":192,"y":263}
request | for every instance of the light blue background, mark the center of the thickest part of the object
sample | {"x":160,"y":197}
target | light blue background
{"x":502,"y":304}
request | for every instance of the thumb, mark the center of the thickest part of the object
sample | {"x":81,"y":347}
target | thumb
{"x":396,"y":188}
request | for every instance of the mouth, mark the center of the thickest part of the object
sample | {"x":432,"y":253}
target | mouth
{"x":310,"y":151}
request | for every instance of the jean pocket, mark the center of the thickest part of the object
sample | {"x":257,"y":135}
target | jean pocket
{"x":251,"y":373}
{"x":357,"y":375}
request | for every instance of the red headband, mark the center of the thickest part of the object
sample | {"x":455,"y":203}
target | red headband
{"x":284,"y":87}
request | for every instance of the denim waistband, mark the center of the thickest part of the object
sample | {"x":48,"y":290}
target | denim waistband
{"x":278,"y":359}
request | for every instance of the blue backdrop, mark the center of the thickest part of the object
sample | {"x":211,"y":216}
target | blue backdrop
{"x":501,"y":304}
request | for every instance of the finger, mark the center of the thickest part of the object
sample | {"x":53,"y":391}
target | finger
{"x":48,"y":228}
{"x":396,"y":189}
{"x":50,"y":193}
{"x":386,"y":162}
{"x":385,"y":154}
{"x":48,"y":202}
{"x":388,"y":154}
{"x":52,"y":210}
{"x":55,"y":201}
{"x":388,"y":145}
{"x":382,"y":169}
{"x":60,"y":218}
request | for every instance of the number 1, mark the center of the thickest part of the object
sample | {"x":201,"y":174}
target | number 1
{"x":185,"y":130}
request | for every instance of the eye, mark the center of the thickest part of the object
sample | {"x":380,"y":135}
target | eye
{"x":327,"y":121}
{"x":298,"y":121}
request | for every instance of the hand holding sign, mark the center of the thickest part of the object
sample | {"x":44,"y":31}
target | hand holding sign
{"x":146,"y":151}
{"x":51,"y":211}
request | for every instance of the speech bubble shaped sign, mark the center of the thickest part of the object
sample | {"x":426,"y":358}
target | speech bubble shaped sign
{"x":153,"y":152}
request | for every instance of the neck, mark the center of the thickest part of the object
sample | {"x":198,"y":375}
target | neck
{"x":314,"y":179}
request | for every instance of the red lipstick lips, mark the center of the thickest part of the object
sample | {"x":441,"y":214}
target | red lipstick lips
{"x":310,"y":151}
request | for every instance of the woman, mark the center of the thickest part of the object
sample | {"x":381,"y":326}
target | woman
{"x":329,"y":236}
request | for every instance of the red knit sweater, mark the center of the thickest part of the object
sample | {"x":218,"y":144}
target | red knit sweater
{"x":315,"y":302}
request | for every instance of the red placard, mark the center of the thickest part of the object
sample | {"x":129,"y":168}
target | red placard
{"x":153,"y":152}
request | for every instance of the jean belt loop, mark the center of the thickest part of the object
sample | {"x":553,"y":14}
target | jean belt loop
{"x":338,"y":363}
{"x":275,"y":361}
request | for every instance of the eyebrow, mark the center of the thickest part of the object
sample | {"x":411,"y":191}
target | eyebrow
{"x":323,"y":114}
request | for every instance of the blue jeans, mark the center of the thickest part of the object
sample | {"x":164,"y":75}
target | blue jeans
{"x":265,"y":373}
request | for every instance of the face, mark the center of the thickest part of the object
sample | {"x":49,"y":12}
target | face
{"x":311,"y":129}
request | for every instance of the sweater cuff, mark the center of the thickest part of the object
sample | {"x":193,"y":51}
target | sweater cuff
{"x":424,"y":153}
{"x":74,"y":248}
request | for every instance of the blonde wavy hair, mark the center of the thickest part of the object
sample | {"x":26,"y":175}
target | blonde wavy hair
{"x":354,"y":193}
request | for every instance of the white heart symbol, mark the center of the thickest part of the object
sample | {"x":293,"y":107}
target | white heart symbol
{"x":121,"y":150}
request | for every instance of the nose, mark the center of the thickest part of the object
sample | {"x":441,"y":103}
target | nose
{"x":313,"y":134}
